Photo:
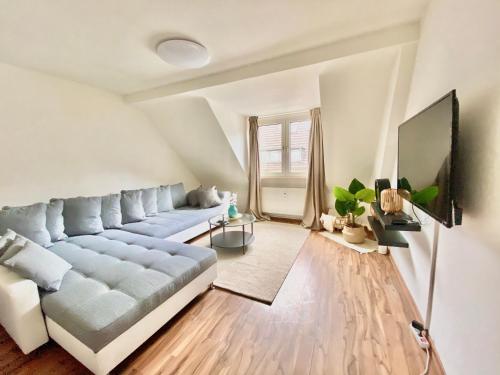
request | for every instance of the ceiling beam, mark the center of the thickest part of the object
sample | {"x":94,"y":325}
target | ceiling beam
{"x":401,"y":34}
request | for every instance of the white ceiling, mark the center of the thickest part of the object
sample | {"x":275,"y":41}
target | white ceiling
{"x":292,"y":90}
{"x":111,"y":43}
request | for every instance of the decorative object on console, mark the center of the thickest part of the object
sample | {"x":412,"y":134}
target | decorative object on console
{"x":390,"y":201}
{"x":348,"y":204}
{"x":380,"y":185}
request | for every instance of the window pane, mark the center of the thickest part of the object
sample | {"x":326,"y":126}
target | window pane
{"x":270,"y":149}
{"x":299,"y":146}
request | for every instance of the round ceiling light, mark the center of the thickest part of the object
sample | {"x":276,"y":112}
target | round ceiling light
{"x":183,"y":53}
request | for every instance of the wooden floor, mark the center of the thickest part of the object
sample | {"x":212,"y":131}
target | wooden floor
{"x":338,"y":312}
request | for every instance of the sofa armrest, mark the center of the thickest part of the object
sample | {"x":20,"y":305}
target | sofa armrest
{"x":20,"y":311}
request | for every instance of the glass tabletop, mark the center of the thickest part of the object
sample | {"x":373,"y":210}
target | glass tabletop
{"x":224,"y":220}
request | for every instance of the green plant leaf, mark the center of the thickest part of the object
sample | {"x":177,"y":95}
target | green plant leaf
{"x":426,"y":195}
{"x":342,"y":194}
{"x":359,"y":211}
{"x":355,"y":186}
{"x":341,"y":207}
{"x":404,"y":184}
{"x":365,"y":195}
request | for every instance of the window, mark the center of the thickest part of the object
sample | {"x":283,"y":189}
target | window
{"x":284,"y":146}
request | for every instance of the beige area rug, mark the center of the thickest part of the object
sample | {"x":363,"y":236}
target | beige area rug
{"x":260,"y":272}
{"x":366,"y":247}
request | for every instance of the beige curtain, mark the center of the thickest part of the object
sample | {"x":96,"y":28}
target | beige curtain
{"x":316,"y":202}
{"x":254,"y":191}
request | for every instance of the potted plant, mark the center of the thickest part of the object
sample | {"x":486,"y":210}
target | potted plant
{"x":348,"y":203}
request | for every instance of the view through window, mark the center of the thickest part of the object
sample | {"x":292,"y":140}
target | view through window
{"x":284,"y":146}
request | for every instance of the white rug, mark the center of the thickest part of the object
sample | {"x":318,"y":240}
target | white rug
{"x":366,"y":247}
{"x":260,"y":272}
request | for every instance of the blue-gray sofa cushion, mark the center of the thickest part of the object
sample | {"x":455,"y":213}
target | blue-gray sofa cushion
{"x":42,"y":266}
{"x":28,"y":221}
{"x":179,"y":198}
{"x":164,"y":197}
{"x":168,"y":223}
{"x":82,"y":215}
{"x":132,"y":206}
{"x":111,"y":212}
{"x":55,"y":220}
{"x":150,"y":201}
{"x":117,"y":278}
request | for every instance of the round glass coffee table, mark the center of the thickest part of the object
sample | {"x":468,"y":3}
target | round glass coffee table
{"x":232,"y":238}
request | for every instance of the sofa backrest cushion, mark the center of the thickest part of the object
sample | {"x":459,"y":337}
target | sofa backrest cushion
{"x":132,"y":206}
{"x":29,"y":221}
{"x":42,"y":266}
{"x":55,"y":220}
{"x":164,"y":199}
{"x":178,"y":195}
{"x":192,"y":197}
{"x":150,"y":201}
{"x":208,"y":197}
{"x":6,"y":240}
{"x":13,"y":247}
{"x":82,"y":215}
{"x":111,"y":211}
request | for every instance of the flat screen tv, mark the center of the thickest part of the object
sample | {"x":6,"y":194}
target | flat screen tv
{"x":427,"y":151}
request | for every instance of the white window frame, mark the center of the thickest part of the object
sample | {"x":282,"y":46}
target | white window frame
{"x":285,"y":121}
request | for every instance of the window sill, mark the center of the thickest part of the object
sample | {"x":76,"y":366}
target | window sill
{"x":284,"y":182}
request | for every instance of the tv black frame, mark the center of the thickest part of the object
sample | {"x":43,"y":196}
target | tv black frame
{"x":448,"y":221}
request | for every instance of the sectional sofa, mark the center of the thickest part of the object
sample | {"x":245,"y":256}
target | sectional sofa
{"x":124,"y":283}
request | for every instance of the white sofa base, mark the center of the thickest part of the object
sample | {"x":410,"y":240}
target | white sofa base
{"x":20,"y":311}
{"x":189,"y":233}
{"x":120,"y":348}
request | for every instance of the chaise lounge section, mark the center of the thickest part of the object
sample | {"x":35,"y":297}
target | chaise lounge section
{"x":122,"y":287}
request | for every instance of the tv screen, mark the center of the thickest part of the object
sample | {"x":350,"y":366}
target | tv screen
{"x":426,"y":158}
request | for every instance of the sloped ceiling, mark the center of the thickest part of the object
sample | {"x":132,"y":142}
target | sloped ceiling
{"x":192,"y":129}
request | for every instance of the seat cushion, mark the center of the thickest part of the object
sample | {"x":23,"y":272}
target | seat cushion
{"x":168,"y":223}
{"x":117,"y":278}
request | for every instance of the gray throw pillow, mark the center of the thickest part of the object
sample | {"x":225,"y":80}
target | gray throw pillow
{"x":111,"y":211}
{"x":132,"y":206}
{"x":42,"y":266}
{"x":82,"y":215}
{"x":55,"y":220}
{"x":164,"y":199}
{"x":14,"y":247}
{"x":208,"y":197}
{"x":29,"y":221}
{"x":192,"y":198}
{"x":150,"y":201}
{"x":178,"y":195}
{"x":6,"y":240}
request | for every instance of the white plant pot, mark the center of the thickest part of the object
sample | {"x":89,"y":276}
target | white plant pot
{"x":354,"y":234}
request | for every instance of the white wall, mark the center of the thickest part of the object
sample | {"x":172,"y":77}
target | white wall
{"x":195,"y":133}
{"x":354,"y":92}
{"x":460,"y":48}
{"x":62,"y":139}
{"x":235,"y":127}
